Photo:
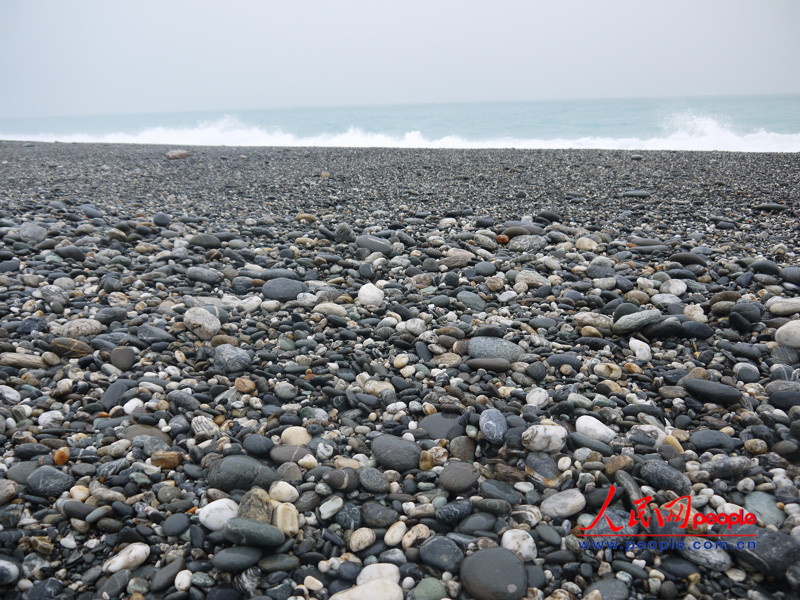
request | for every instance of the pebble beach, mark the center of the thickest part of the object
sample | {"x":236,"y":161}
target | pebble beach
{"x":384,"y":374}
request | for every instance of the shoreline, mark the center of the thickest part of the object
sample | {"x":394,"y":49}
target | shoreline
{"x":346,"y":372}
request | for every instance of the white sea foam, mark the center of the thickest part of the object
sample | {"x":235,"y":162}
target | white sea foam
{"x":685,"y":131}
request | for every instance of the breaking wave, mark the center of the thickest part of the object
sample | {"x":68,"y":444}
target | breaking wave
{"x":685,"y":131}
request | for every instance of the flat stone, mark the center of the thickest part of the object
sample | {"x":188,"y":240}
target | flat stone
{"x":70,"y":348}
{"x":764,"y":506}
{"x":236,"y":559}
{"x":492,"y":347}
{"x":712,"y":391}
{"x":252,"y":533}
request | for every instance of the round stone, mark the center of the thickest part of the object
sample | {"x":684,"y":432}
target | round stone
{"x":396,"y":453}
{"x":283,"y":289}
{"x":789,"y":334}
{"x":494,"y":574}
{"x":458,"y":476}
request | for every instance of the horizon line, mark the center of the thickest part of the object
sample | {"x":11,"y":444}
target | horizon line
{"x":398,"y":105}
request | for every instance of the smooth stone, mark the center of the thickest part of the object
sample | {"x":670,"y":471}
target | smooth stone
{"x":377,"y":589}
{"x":501,"y":490}
{"x":283,"y":289}
{"x":457,"y":476}
{"x":373,"y":480}
{"x":278,"y":562}
{"x":370,"y":295}
{"x":520,"y":543}
{"x":712,"y":391}
{"x":492,"y":347}
{"x":165,"y":576}
{"x":784,"y":400}
{"x":563,"y":504}
{"x":727,"y":467}
{"x":636,"y":321}
{"x":789,"y":334}
{"x":374,"y":244}
{"x":123,"y":358}
{"x":49,"y":482}
{"x":396,"y":453}
{"x":375,"y":514}
{"x":150,"y":335}
{"x":240,"y":472}
{"x":774,"y":551}
{"x":442,"y":426}
{"x":544,"y":438}
{"x":9,"y":571}
{"x":765,"y":508}
{"x":201,"y":322}
{"x":713,"y":559}
{"x":129,"y":557}
{"x":498,"y":365}
{"x":215,"y":514}
{"x":493,"y":425}
{"x":471,"y":300}
{"x":248,"y":532}
{"x":176,"y":524}
{"x":375,"y":571}
{"x":664,"y":477}
{"x":236,"y":559}
{"x":230,"y":358}
{"x":494,"y":574}
{"x":133,"y":431}
{"x":610,"y":588}
{"x":709,"y":438}
{"x":593,"y":428}
{"x":783,"y":307}
{"x":429,"y":589}
{"x":442,"y":553}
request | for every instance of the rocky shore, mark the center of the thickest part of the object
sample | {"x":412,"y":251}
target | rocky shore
{"x":386,"y":374}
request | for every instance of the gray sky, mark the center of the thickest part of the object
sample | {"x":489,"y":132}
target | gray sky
{"x":81,"y":57}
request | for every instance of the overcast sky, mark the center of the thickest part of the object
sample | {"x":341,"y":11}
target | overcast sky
{"x":81,"y":58}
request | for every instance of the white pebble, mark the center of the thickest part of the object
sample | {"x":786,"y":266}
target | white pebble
{"x":215,"y":514}
{"x":129,"y":557}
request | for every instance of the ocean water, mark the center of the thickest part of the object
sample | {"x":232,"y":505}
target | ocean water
{"x":731,"y":123}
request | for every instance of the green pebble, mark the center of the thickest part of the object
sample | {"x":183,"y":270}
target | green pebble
{"x":430,"y":589}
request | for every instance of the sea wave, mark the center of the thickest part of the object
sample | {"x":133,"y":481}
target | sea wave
{"x":685,"y":131}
